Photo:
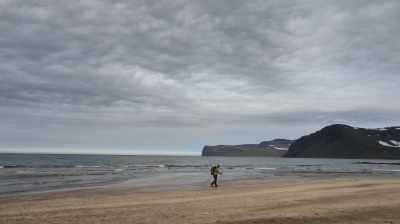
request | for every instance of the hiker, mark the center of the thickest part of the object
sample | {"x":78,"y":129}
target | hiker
{"x":215,"y":172}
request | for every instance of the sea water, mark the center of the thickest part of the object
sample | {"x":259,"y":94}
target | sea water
{"x":27,"y":173}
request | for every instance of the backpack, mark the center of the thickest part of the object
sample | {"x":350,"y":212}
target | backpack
{"x":212,"y":171}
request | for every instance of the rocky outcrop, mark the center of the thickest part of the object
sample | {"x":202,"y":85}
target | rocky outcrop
{"x":342,"y":141}
{"x":274,"y":148}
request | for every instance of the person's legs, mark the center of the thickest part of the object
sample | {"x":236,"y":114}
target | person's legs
{"x":215,"y":181}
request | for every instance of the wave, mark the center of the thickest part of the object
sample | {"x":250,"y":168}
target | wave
{"x":386,"y":170}
{"x":87,"y":166}
{"x":377,"y":163}
{"x":177,"y":166}
{"x":24,"y":171}
{"x":13,"y":166}
{"x":42,"y":166}
{"x":159,"y":166}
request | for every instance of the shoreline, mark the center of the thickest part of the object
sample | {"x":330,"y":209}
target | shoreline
{"x":169,"y":183}
{"x":181,"y":181}
{"x":316,"y":200}
{"x":44,"y":173}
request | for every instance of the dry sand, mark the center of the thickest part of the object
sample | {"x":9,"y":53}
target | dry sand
{"x":245,"y":201}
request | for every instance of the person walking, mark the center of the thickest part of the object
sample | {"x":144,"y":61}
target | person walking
{"x":215,"y":171}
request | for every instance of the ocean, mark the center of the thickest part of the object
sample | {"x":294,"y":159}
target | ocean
{"x":29,"y":173}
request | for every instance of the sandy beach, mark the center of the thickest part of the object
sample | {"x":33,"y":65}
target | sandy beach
{"x":244,"y":201}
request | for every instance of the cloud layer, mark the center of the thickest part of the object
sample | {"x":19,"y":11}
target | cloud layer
{"x":177,"y":75}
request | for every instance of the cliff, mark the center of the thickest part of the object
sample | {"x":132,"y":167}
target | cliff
{"x":274,"y":148}
{"x":342,"y":141}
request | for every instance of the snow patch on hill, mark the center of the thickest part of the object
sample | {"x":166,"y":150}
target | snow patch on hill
{"x":375,"y":129}
{"x":273,"y":146}
{"x":395,"y":143}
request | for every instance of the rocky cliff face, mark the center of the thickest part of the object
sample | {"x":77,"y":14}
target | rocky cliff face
{"x":274,"y":148}
{"x":342,"y":141}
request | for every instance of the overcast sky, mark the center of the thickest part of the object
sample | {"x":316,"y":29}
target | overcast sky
{"x":168,"y":77}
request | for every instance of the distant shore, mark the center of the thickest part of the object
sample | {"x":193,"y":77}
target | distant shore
{"x":242,"y":201}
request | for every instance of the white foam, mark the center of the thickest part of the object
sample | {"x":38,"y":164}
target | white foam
{"x":87,"y":166}
{"x":386,"y":144}
{"x":160,"y":166}
{"x":266,"y":168}
{"x":24,"y":171}
{"x":387,"y":170}
{"x":395,"y":142}
{"x":281,"y":148}
{"x":1,"y":167}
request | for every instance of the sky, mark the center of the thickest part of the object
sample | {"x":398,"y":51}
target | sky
{"x":169,"y":77}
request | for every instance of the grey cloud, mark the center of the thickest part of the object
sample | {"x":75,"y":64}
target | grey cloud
{"x":102,"y":64}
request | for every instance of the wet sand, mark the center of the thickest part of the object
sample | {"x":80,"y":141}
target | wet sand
{"x":244,"y":201}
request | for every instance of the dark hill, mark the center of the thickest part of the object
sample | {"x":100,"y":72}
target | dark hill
{"x":342,"y":141}
{"x":274,"y":148}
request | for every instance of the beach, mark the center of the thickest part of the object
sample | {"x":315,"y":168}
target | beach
{"x":314,"y":200}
